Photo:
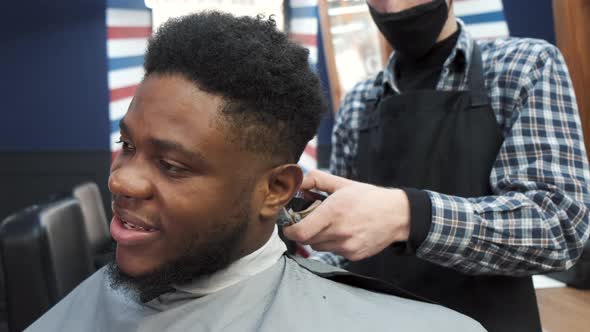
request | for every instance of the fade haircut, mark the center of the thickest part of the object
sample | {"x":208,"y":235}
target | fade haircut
{"x":272,"y":99}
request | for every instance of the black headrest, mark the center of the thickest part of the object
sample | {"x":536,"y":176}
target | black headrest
{"x":45,"y":255}
{"x":95,"y":218}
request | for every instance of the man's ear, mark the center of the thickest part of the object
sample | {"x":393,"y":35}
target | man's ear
{"x":282,"y":183}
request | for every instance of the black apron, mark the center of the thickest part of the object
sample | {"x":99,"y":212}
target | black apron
{"x":444,"y":141}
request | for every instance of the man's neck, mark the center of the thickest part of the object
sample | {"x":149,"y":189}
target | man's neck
{"x":257,"y":261}
{"x":254,"y":239}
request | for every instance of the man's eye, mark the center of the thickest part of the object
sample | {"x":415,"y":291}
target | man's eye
{"x":169,"y":168}
{"x":126,"y":146}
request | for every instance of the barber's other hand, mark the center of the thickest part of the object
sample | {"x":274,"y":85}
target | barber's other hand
{"x":356,"y":221}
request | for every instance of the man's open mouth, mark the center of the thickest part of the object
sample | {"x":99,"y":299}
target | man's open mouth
{"x":131,"y":226}
{"x":129,"y":229}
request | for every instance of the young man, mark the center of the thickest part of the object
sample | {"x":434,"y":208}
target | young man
{"x":210,"y":145}
{"x":478,"y":153}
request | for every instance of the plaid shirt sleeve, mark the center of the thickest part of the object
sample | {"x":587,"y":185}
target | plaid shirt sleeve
{"x":537,"y":219}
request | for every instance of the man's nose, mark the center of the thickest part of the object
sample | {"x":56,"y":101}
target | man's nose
{"x":131,"y":182}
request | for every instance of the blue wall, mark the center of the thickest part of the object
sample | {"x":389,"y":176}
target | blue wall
{"x":53,"y":67}
{"x":530,"y":18}
{"x":324,"y":139}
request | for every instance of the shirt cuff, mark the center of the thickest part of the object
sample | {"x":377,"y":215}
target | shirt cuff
{"x":420,"y":217}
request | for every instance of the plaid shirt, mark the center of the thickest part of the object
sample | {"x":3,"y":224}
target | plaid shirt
{"x":537,"y":218}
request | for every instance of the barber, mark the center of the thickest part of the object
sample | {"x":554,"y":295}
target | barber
{"x":458,"y":172}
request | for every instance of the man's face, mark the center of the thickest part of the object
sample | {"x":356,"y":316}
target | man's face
{"x":394,"y":6}
{"x":182,"y":191}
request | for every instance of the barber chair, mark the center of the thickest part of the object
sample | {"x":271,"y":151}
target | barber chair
{"x":44,"y":255}
{"x":578,"y":276}
{"x":97,"y":229}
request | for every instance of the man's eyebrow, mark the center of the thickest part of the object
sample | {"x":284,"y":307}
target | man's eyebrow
{"x":169,"y":146}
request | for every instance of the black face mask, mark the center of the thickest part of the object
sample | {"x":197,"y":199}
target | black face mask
{"x":413,"y":32}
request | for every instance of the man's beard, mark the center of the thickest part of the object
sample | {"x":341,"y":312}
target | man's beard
{"x":198,"y":259}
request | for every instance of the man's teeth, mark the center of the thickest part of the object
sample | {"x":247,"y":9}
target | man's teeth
{"x":134,"y":227}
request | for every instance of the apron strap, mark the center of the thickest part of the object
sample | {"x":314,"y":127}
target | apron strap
{"x":374,"y":95}
{"x":475,"y":79}
{"x":372,"y":99}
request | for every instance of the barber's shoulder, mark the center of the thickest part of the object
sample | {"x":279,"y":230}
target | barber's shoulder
{"x":357,"y":95}
{"x":353,"y":105}
{"x":518,"y":54}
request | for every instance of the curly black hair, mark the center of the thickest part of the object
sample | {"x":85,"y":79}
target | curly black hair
{"x":273,"y":100}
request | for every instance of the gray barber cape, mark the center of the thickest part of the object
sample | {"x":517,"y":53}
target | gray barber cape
{"x":293,"y":295}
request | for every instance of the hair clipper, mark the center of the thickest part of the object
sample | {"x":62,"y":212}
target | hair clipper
{"x":302,"y":204}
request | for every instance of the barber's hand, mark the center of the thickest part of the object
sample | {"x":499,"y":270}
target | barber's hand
{"x":356,"y":221}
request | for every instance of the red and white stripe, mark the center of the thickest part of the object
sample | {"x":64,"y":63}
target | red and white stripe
{"x":128,"y":30}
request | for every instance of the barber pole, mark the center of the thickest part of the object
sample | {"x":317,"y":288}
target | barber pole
{"x":129,"y":25}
